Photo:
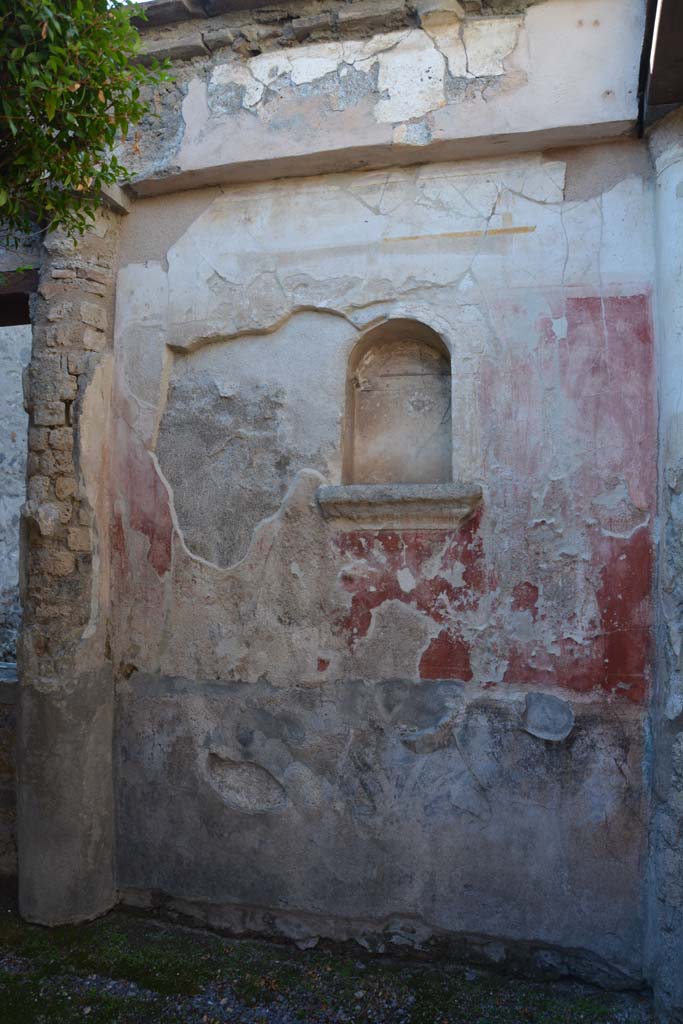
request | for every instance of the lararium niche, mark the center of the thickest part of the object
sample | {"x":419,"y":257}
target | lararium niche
{"x":398,"y":402}
{"x":397,"y":445}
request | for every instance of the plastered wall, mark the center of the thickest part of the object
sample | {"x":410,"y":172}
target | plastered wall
{"x":15,"y":351}
{"x":327,"y":730}
{"x":665,"y":906}
{"x":257,"y":93}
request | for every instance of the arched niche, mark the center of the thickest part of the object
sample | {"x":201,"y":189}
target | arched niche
{"x":398,"y":407}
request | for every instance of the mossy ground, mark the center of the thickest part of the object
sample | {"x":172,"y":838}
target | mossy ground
{"x":132,"y":970}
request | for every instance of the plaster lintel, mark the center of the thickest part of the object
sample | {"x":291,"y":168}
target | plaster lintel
{"x":399,"y":506}
{"x":375,"y":157}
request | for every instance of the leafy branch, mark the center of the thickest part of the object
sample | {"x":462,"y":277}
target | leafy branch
{"x":70,"y":86}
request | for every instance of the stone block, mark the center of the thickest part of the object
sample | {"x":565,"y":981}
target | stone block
{"x":52,"y":290}
{"x":64,"y":334}
{"x":218,"y":38}
{"x":179,"y":48}
{"x":116,"y":198}
{"x":65,"y":487}
{"x":312,"y":25}
{"x":62,"y":438}
{"x":435,"y":12}
{"x":94,"y":340}
{"x":59,"y":311}
{"x":79,"y":362}
{"x":94,"y":288}
{"x":49,"y":379}
{"x":94,"y":315}
{"x":56,"y":463}
{"x":399,"y":506}
{"x":54,"y":561}
{"x":103,"y":277}
{"x":63,"y":274}
{"x":38,"y":488}
{"x":65,"y":512}
{"x":49,"y":414}
{"x":38,"y":438}
{"x":79,"y":538}
{"x":366,"y":16}
{"x":46,"y":516}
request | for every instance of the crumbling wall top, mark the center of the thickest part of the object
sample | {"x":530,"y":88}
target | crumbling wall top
{"x":166,"y":12}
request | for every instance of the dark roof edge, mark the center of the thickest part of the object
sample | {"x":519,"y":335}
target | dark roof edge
{"x":165,"y":12}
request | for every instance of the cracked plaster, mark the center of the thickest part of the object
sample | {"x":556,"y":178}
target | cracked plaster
{"x":412,"y":73}
{"x":449,"y":88}
{"x":263,"y":269}
{"x":343,"y":726}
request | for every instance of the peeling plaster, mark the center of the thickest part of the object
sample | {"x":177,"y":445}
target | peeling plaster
{"x":412,"y":67}
{"x":235,"y":358}
{"x":474,"y":86}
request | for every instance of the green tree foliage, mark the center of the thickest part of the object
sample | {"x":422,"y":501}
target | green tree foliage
{"x":69,"y":84}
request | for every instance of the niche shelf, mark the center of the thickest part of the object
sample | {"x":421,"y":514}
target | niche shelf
{"x":399,"y":506}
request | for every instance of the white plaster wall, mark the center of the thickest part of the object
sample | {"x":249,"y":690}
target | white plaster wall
{"x":15,"y":352}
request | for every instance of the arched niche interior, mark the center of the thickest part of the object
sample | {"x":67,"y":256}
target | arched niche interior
{"x":398,"y":407}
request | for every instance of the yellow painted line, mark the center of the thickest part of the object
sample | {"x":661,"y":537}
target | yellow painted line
{"x":524,"y":229}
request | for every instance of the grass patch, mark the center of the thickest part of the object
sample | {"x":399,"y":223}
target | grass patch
{"x":133,"y":970}
{"x":162,"y":960}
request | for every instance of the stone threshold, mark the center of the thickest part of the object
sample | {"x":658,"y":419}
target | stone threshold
{"x":399,"y":506}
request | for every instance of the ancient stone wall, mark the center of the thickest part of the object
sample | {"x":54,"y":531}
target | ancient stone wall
{"x":65,"y":785}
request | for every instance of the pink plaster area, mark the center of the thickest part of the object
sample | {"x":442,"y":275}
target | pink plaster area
{"x":616,"y":657}
{"x":550,"y":585}
{"x":144,"y":498}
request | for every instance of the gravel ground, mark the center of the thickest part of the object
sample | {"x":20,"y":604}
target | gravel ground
{"x":133,"y":970}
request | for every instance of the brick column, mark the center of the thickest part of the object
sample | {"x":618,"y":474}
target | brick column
{"x":65,"y":792}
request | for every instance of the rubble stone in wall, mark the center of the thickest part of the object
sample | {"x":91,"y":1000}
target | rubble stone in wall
{"x":64,"y":811}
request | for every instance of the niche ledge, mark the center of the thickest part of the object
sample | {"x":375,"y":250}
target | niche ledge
{"x":399,"y":506}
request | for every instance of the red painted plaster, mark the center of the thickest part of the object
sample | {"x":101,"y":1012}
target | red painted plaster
{"x":445,"y":567}
{"x":118,"y":537}
{"x":146,"y":498}
{"x":447,"y":657}
{"x":525,"y":599}
{"x":149,"y":512}
{"x":570,"y":436}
